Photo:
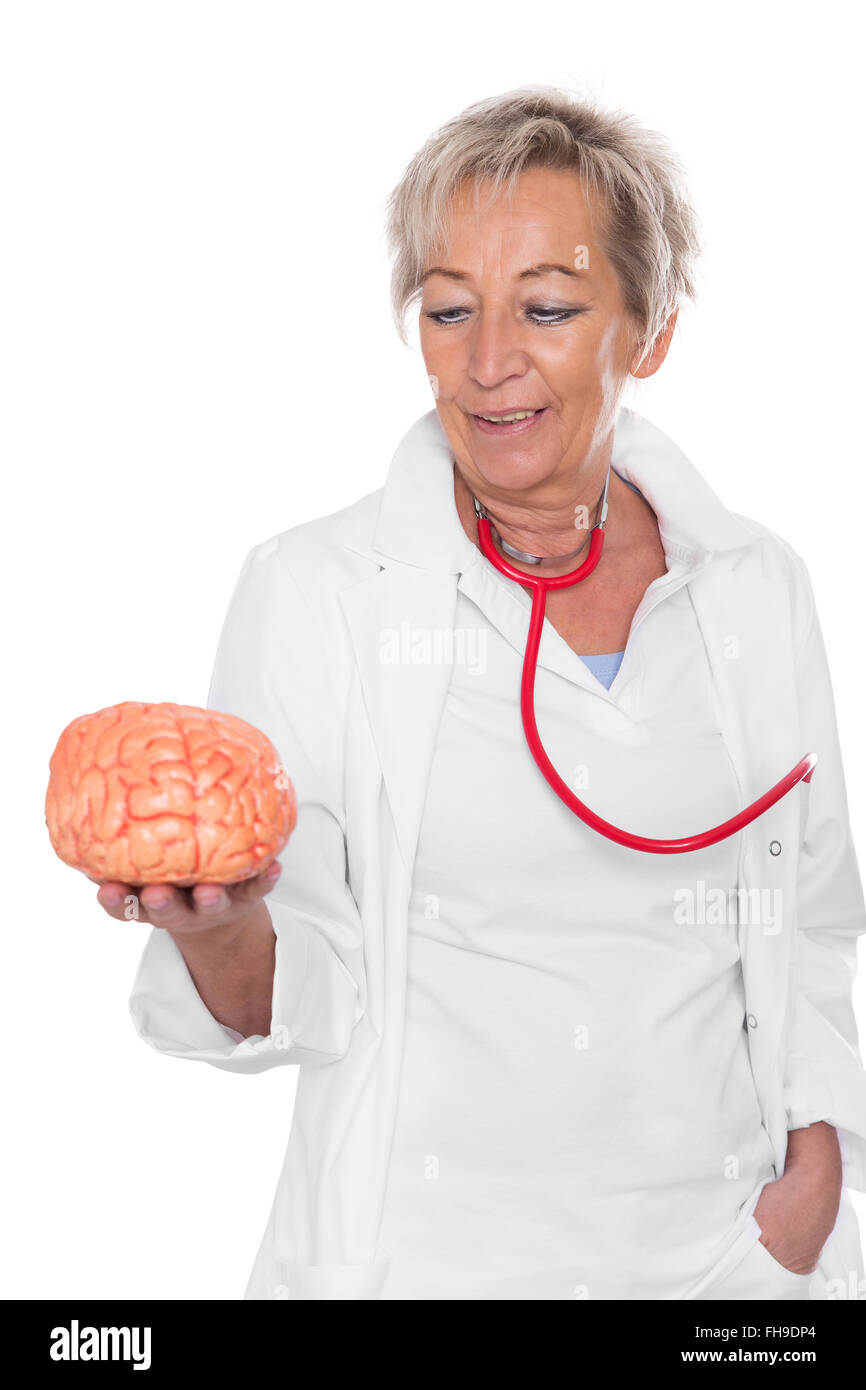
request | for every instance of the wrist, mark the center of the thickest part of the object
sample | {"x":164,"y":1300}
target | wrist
{"x":224,"y":937}
{"x":813,"y":1151}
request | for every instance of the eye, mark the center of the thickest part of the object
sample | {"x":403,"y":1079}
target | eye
{"x":542,"y":314}
{"x":443,"y":316}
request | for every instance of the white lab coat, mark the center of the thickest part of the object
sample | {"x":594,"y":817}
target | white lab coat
{"x":299,"y":657}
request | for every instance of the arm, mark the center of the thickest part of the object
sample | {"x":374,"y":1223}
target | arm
{"x":824,"y":1076}
{"x":271,"y":669}
{"x":824,"y":1082}
{"x":225,"y":936}
{"x":232,"y":968}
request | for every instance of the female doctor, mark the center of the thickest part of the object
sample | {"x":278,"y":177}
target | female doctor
{"x":536,"y":1063}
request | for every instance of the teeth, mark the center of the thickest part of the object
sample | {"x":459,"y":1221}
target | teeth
{"x":507,"y":419}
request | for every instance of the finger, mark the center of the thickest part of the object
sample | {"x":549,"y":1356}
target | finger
{"x":210,"y":899}
{"x":111,"y":896}
{"x":252,"y":888}
{"x":165,"y":905}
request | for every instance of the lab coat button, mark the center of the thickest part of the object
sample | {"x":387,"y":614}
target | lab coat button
{"x":751,"y":1020}
{"x":775,"y":847}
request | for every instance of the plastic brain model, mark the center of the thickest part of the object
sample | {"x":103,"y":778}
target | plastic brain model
{"x":167,"y":794}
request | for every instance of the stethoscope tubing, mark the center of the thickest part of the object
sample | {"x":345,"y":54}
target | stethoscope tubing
{"x":540,"y":587}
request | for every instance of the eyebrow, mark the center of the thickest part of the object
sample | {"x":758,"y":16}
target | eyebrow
{"x":544,"y":268}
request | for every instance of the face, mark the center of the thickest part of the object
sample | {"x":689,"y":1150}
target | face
{"x":503,"y":331}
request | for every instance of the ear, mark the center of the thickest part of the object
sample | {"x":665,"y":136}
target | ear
{"x":659,"y":352}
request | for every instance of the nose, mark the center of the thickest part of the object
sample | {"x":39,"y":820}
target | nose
{"x":496,"y":352}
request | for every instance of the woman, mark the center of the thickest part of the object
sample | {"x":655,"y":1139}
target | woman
{"x":534,"y":1063}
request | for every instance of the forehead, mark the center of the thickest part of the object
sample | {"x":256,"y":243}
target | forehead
{"x":545,"y":202}
{"x":549,"y":218}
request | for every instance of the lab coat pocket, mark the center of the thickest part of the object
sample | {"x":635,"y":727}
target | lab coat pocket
{"x":780,"y":1269}
{"x":331,"y":1281}
{"x":759,"y":1276}
{"x":747,"y":1232}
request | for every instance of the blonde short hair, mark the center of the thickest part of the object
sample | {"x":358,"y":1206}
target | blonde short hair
{"x":648,"y":228}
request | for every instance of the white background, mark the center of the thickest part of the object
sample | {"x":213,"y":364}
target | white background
{"x":197,"y":352}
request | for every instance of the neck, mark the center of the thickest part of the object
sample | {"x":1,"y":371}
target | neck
{"x":549,"y":529}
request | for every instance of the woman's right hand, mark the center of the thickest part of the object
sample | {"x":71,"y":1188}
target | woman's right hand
{"x":187,"y":911}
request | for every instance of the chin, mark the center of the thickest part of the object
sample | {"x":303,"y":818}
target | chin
{"x":516,"y":474}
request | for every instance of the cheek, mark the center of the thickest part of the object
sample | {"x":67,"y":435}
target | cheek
{"x":595,"y":370}
{"x":609,"y":383}
{"x":432,"y":351}
{"x":445,"y":368}
{"x":573,"y":352}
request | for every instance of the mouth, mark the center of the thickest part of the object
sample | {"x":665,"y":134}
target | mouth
{"x":508,"y":422}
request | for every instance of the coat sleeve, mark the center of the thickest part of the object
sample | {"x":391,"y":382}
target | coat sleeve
{"x":272,"y":670}
{"x":824,"y":1076}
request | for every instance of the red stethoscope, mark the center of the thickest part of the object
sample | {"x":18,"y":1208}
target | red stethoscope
{"x":540,"y":588}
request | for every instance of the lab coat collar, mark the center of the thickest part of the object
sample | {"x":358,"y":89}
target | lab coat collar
{"x":418,"y":524}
